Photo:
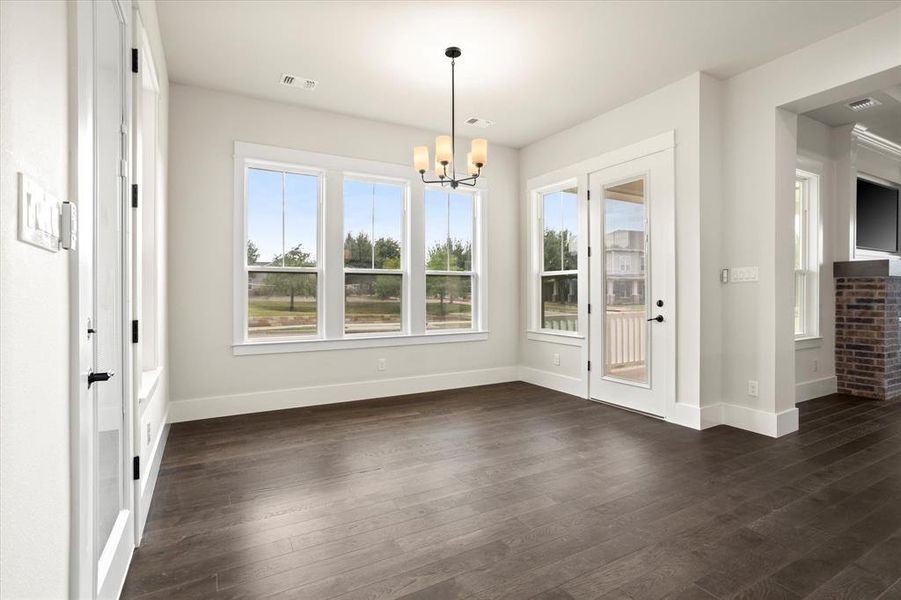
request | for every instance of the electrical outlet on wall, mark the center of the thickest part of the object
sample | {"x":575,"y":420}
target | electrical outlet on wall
{"x":752,"y":387}
{"x":148,"y":433}
{"x":556,"y":359}
{"x":381,"y":364}
{"x":816,"y":365}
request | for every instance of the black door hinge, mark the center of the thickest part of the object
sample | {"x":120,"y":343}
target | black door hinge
{"x":136,"y":468}
{"x":589,"y":365}
{"x":134,"y":332}
{"x":134,"y":60}
{"x":589,"y":194}
{"x":589,"y":251}
{"x":589,"y":309}
{"x":134,"y":195}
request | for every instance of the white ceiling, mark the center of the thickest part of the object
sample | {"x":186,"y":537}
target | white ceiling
{"x":883,"y":120}
{"x":534,"y":68}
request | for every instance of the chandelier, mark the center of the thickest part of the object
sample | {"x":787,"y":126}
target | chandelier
{"x":445,"y":147}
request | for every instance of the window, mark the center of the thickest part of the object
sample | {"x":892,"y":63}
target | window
{"x":373,"y":247}
{"x":282,"y":272}
{"x":334,"y":252}
{"x":558,"y":269}
{"x":449,"y":232}
{"x":807,"y":255}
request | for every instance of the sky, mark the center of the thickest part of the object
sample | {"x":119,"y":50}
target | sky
{"x":619,"y":214}
{"x":373,"y":208}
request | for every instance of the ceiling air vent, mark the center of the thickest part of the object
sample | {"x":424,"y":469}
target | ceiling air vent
{"x":479,"y":122}
{"x":299,"y":82}
{"x":863,"y":104}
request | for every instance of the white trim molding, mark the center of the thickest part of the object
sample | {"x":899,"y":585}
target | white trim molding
{"x":574,"y":386}
{"x":816,"y":388}
{"x":877,"y":143}
{"x":151,"y":475}
{"x":750,"y":419}
{"x":251,"y":402}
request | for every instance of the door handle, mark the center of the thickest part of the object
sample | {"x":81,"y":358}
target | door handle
{"x":101,"y":376}
{"x":658,"y":318}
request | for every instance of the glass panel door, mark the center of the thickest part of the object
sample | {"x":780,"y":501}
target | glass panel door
{"x":625,"y":281}
{"x":632,"y":284}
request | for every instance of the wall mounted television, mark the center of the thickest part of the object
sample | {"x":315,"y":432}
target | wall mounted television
{"x":878,"y":216}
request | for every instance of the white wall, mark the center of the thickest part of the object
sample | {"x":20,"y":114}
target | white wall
{"x":674,"y":107}
{"x":34,"y":312}
{"x":206,"y":379}
{"x":758,"y":170}
{"x":815,"y":360}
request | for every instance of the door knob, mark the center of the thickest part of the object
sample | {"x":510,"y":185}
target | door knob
{"x":658,"y":318}
{"x":101,"y":376}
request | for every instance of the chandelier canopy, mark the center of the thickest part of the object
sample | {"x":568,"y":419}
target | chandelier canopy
{"x":445,"y":146}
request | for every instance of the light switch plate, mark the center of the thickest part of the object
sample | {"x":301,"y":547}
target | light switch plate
{"x":743,"y":274}
{"x":38,"y":215}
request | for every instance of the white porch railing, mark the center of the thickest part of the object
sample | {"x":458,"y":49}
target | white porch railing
{"x":626,"y":338}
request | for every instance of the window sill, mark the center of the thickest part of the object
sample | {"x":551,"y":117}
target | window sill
{"x":316,"y":345}
{"x":565,"y":338}
{"x":804,"y":343}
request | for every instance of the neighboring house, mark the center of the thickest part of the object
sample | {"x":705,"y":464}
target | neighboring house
{"x":625,"y":267}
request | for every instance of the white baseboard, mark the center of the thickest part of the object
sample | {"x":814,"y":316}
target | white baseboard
{"x":561,"y":383}
{"x":808,"y":390}
{"x":759,"y":421}
{"x":151,"y":476}
{"x":238,"y":404}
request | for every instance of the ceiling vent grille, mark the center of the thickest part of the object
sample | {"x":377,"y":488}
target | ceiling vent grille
{"x":479,"y":122}
{"x":299,"y":82}
{"x":863,"y":104}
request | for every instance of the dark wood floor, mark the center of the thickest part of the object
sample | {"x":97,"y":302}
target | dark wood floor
{"x":513,"y":491}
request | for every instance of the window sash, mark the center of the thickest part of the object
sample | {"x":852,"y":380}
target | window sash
{"x":806,"y":301}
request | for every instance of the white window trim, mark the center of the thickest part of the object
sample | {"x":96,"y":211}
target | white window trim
{"x":536,"y":244}
{"x":810,"y":308}
{"x":330,"y":258}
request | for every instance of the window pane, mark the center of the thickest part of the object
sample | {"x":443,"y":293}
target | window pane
{"x":372,"y":303}
{"x":264,"y":216}
{"x":357,"y":224}
{"x":387,"y":224}
{"x":448,"y":301}
{"x":281,"y":304}
{"x":625,"y":311}
{"x":551,"y":217}
{"x":800,"y":281}
{"x":301,"y":192}
{"x":460,"y":231}
{"x":373,"y":225}
{"x":436,"y":232}
{"x":569,"y":206}
{"x":559,"y":302}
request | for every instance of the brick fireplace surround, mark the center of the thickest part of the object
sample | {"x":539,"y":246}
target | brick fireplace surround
{"x":867,"y":328}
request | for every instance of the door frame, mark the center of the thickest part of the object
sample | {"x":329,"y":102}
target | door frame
{"x":659,"y":183}
{"x":84,"y":554}
{"x":579,"y":171}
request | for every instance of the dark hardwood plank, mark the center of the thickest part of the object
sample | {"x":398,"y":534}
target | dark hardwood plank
{"x":513,"y":491}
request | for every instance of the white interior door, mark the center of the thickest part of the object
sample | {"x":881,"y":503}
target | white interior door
{"x":113,"y":527}
{"x":632,"y":274}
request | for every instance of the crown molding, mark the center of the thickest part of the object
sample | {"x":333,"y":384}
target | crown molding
{"x":877,"y":143}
